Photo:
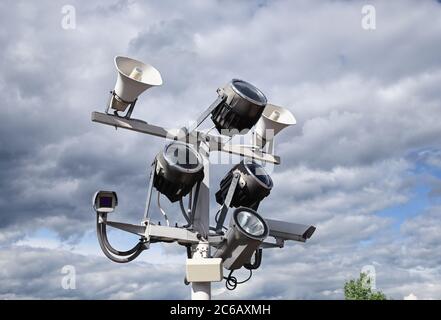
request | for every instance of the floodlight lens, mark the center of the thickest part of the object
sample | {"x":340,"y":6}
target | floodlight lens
{"x":182,"y":155}
{"x":248,"y":91}
{"x":260,"y":173}
{"x":241,"y":109}
{"x":250,"y":223}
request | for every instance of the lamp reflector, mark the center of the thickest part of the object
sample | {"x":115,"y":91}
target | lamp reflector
{"x":246,"y":233}
{"x":178,"y":168}
{"x":250,"y":223}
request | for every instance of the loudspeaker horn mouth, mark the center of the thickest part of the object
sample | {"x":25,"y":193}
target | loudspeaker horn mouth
{"x":127,"y":67}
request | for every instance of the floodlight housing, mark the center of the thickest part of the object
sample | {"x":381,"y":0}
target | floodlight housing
{"x":253,"y":186}
{"x":178,"y":168}
{"x":246,"y":233}
{"x":241,"y":109}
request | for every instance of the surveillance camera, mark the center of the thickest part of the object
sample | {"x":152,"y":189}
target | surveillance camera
{"x":289,"y":231}
{"x":105,"y":201}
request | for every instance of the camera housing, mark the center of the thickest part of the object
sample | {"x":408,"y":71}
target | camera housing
{"x":105,"y":201}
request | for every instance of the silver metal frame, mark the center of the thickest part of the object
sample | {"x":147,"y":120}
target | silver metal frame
{"x":197,"y":233}
{"x":214,"y":142}
{"x":226,"y":205}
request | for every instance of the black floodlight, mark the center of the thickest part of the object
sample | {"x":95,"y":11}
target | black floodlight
{"x":246,"y":233}
{"x":241,"y":109}
{"x":178,"y":168}
{"x":252,"y":186}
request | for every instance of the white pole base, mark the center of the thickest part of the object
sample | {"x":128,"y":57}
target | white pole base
{"x":201,"y":290}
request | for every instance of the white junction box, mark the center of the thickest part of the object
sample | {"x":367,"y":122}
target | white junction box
{"x":204,"y":270}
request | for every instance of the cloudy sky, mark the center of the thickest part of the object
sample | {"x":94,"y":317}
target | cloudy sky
{"x":363,"y":164}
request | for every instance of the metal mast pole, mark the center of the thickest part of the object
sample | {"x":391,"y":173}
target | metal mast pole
{"x":202,"y":290}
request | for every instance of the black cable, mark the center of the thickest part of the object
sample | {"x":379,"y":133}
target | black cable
{"x":231,"y":281}
{"x":257,"y":261}
{"x":188,"y":251}
{"x":216,"y":217}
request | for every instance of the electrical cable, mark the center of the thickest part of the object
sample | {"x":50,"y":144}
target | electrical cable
{"x":188,"y":251}
{"x":184,"y":213}
{"x":216,"y":218}
{"x":257,"y":261}
{"x":231,"y":281}
{"x":190,"y":199}
{"x":162,"y":211}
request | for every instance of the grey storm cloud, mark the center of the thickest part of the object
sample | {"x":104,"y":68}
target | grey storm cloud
{"x":368,"y":107}
{"x":38,"y":273}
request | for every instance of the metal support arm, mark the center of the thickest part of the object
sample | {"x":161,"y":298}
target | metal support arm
{"x":204,"y":115}
{"x":226,"y":205}
{"x":215,"y":142}
{"x":149,"y":191}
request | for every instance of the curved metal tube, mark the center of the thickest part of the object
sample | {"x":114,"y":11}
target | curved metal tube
{"x":108,"y":249}
{"x":113,"y":250}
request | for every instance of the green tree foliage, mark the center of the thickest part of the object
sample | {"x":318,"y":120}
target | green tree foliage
{"x":360,"y":289}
